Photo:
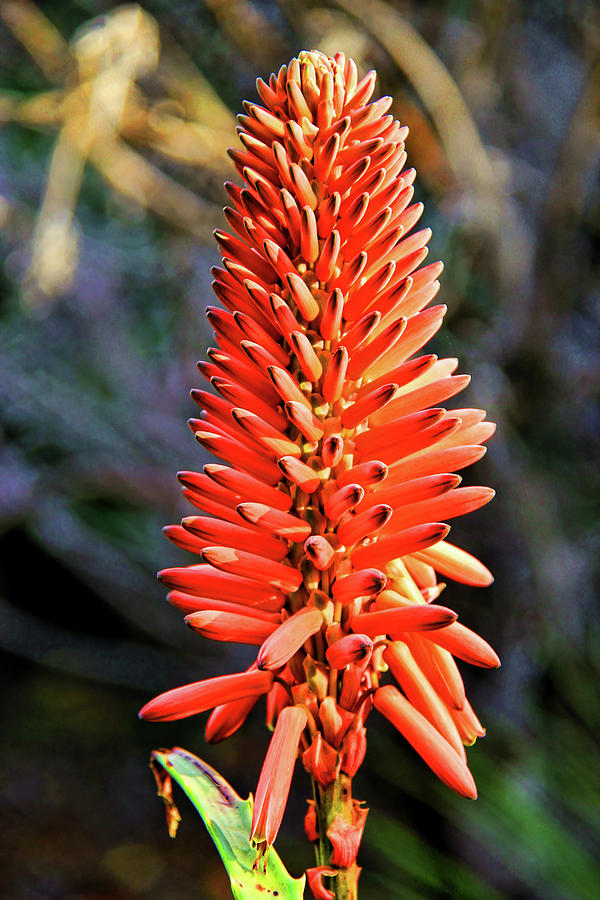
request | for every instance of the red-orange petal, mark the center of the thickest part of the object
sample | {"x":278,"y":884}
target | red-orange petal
{"x":195,"y":698}
{"x":274,"y":520}
{"x":235,"y":628}
{"x":351,"y":648}
{"x":252,"y":565}
{"x":276,"y":775}
{"x":404,"y":618}
{"x":226,"y":718}
{"x":467,"y":645}
{"x":456,"y":563}
{"x":423,"y":737}
{"x":286,"y":640}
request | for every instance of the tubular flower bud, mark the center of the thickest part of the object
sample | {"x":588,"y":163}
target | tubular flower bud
{"x":321,"y":761}
{"x":468,"y":725}
{"x":225,"y":719}
{"x":276,"y":775}
{"x":467,"y":645}
{"x":202,"y":695}
{"x":225,"y":626}
{"x":286,"y":640}
{"x":334,"y":721}
{"x":406,"y":618}
{"x":333,"y":450}
{"x":354,"y":748}
{"x":319,"y":551}
{"x":429,"y":744}
{"x":310,"y":823}
{"x":363,"y":583}
{"x":322,"y":525}
{"x":352,"y":648}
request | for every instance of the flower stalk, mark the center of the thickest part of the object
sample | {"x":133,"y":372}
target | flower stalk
{"x":323,"y":532}
{"x":340,"y":823}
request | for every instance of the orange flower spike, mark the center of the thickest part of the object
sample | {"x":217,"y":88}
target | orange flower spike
{"x":333,"y":383}
{"x":403,"y":543}
{"x":276,"y":775}
{"x":331,"y":319}
{"x":320,"y":398}
{"x":455,"y":563}
{"x":369,"y":404}
{"x":328,"y":258}
{"x":287,"y":387}
{"x":307,"y":358}
{"x":439,"y":667}
{"x":304,"y":420}
{"x":304,"y":300}
{"x":248,"y":487}
{"x":469,"y":726}
{"x":334,"y":720}
{"x":365,"y":524}
{"x":342,"y":501}
{"x":309,"y":240}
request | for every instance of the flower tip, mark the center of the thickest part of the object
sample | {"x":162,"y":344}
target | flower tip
{"x":473,"y":795}
{"x":445,"y":615}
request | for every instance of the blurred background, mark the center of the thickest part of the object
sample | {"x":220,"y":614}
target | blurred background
{"x":114,"y":126}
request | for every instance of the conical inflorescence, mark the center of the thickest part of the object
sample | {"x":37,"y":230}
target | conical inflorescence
{"x":320,"y":535}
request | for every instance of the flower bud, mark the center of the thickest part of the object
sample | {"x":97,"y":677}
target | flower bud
{"x":354,"y":747}
{"x":310,"y":822}
{"x":321,"y":761}
{"x":334,"y":720}
{"x":349,"y":649}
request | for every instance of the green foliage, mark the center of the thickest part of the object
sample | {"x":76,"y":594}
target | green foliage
{"x":228,"y":819}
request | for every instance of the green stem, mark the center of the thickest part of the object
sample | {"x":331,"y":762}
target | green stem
{"x":332,"y":800}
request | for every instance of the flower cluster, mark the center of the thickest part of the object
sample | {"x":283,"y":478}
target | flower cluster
{"x":322,"y":532}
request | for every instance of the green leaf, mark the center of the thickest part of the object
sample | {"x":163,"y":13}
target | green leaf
{"x":228,"y":819}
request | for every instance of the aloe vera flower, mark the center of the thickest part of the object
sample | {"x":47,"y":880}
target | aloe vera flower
{"x":322,"y":532}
